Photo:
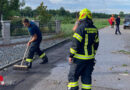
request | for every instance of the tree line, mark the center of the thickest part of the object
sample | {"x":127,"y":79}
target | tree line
{"x":13,"y":8}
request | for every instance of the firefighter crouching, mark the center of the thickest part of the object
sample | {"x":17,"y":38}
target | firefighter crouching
{"x":82,"y":52}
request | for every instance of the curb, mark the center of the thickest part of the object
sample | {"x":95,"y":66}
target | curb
{"x":22,"y":42}
{"x":46,"y":49}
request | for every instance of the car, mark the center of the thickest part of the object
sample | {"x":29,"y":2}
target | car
{"x":127,"y":21}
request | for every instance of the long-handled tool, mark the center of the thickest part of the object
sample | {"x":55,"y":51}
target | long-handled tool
{"x":21,"y":66}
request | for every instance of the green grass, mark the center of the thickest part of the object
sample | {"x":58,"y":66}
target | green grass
{"x":124,"y":65}
{"x":122,"y":21}
{"x":100,"y":23}
{"x":66,"y":29}
{"x":123,"y":52}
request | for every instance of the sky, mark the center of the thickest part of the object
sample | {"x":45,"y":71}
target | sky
{"x":100,"y":6}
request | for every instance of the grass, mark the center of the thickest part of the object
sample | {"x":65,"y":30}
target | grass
{"x":124,"y":65}
{"x":122,"y":21}
{"x":66,"y":29}
{"x":123,"y":52}
{"x":100,"y":23}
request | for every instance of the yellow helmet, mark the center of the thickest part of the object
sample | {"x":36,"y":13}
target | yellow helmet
{"x":85,"y":13}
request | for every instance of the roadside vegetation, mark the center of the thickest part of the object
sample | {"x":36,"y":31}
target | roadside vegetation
{"x":17,"y":11}
{"x":66,"y":29}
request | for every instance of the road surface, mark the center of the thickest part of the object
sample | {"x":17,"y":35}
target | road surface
{"x":112,"y":70}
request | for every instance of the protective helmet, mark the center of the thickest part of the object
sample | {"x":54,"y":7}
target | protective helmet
{"x":85,"y":13}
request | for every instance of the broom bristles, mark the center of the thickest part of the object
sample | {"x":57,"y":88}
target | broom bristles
{"x":20,"y":67}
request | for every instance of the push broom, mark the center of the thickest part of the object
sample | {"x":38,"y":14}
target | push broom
{"x":21,"y":66}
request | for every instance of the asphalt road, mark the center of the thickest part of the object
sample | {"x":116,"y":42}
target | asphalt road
{"x":112,"y":70}
{"x":25,"y":80}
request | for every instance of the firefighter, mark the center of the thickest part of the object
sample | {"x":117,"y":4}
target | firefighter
{"x":34,"y":43}
{"x":82,"y":52}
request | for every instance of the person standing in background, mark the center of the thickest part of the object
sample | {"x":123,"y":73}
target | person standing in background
{"x":117,"y":25}
{"x":113,"y":20}
{"x":76,"y":23}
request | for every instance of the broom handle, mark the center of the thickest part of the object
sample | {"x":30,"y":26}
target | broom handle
{"x":24,"y":55}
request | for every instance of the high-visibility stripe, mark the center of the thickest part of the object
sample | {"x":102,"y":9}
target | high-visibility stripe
{"x":86,"y":86}
{"x":96,"y":39}
{"x":29,"y":60}
{"x":42,"y":55}
{"x":86,"y":44}
{"x":93,"y":49}
{"x":72,"y":51}
{"x":94,"y":29}
{"x":84,"y":57}
{"x":78,"y":37}
{"x":72,"y":84}
{"x":91,"y":31}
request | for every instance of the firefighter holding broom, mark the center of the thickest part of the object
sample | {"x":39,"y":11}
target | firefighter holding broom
{"x":34,"y":43}
{"x":82,"y":52}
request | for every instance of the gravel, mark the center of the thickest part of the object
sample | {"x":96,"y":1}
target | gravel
{"x":9,"y":54}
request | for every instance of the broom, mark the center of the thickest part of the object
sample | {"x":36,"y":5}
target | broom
{"x":21,"y":66}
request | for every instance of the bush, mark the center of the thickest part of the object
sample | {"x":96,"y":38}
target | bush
{"x":64,"y":19}
{"x":17,"y":27}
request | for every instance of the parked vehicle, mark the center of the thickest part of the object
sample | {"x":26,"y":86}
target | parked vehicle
{"x":127,"y":21}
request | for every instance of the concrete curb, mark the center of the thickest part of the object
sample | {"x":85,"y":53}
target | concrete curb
{"x":22,"y":40}
{"x":46,"y":49}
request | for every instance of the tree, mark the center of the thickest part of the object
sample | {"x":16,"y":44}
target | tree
{"x":9,"y":8}
{"x":121,"y":13}
{"x":3,"y":6}
{"x":43,"y":16}
{"x":27,"y":11}
{"x":22,"y":3}
{"x":62,"y":11}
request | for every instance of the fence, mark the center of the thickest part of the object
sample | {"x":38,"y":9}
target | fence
{"x":18,"y":30}
{"x":9,"y":30}
{"x":50,"y":27}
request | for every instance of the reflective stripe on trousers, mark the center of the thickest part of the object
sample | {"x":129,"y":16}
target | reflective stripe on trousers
{"x":28,"y":60}
{"x":87,"y":86}
{"x":72,"y":84}
{"x":42,"y":55}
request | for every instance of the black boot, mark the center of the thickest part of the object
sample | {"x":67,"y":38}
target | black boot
{"x":29,"y":65}
{"x":44,"y":60}
{"x":73,"y":88}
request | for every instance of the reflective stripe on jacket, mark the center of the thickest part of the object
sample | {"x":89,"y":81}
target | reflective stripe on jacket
{"x":85,"y":41}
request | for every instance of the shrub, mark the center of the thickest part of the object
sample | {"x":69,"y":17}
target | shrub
{"x":17,"y":27}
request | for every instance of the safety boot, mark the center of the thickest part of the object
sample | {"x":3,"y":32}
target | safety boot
{"x":44,"y":60}
{"x":29,"y":64}
{"x":73,"y":88}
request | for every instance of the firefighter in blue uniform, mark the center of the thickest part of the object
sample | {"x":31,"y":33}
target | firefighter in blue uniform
{"x":34,"y":43}
{"x":82,"y":52}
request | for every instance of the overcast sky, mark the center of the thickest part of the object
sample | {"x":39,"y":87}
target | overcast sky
{"x":105,"y":6}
